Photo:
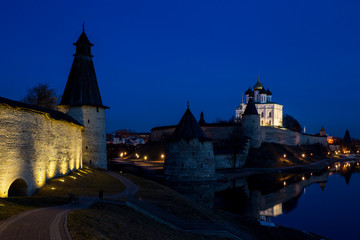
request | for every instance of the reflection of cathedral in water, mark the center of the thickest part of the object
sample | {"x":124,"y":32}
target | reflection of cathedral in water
{"x":262,"y":196}
{"x":256,"y":196}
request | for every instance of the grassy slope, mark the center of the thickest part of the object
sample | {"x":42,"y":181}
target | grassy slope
{"x":81,"y":182}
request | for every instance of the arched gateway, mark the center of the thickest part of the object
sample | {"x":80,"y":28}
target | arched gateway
{"x":18,"y":188}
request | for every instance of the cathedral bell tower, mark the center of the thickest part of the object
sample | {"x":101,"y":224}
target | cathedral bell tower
{"x":81,"y":100}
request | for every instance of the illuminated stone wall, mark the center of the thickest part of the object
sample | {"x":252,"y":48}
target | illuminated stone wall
{"x":288,"y":137}
{"x":35,"y":147}
{"x":94,"y":134}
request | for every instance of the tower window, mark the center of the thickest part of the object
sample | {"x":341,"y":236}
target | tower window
{"x":269,"y":114}
{"x":262,"y":114}
{"x":193,"y":153}
{"x":88,"y":120}
{"x":86,"y":147}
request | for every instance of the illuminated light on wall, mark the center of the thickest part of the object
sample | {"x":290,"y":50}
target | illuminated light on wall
{"x":137,"y":155}
{"x":53,"y":188}
{"x":162,"y":156}
{"x":64,"y":167}
{"x":72,"y":177}
{"x":121,"y":154}
{"x":62,"y":180}
{"x":145,"y":157}
{"x":303,"y":155}
{"x":303,"y":178}
{"x":51,"y":170}
{"x":284,"y":155}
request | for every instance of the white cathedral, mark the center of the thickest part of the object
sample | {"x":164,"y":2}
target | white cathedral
{"x":271,"y":114}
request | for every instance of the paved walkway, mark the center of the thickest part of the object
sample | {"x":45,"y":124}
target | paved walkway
{"x":51,"y":223}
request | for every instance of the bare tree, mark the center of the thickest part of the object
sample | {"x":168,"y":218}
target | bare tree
{"x":41,"y":95}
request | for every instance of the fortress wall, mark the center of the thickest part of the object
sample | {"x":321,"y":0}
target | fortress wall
{"x":161,"y":134}
{"x":94,"y":135}
{"x":288,"y":137}
{"x":212,"y":132}
{"x":35,"y":148}
{"x":216,"y":132}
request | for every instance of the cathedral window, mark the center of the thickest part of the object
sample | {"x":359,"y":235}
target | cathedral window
{"x":269,"y":114}
{"x":262,"y":114}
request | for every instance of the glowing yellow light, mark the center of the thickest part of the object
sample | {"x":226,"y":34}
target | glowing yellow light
{"x":145,"y":157}
{"x":137,"y":155}
{"x":121,"y":154}
{"x":2,"y":205}
{"x":328,"y":153}
{"x":284,"y":183}
{"x":162,"y":155}
{"x":124,"y":153}
{"x":303,"y":178}
{"x":53,"y":188}
{"x":311,"y":154}
{"x":311,"y":173}
{"x":284,"y":155}
{"x":62,"y":180}
{"x":328,"y":167}
{"x":303,"y":155}
{"x":73,"y":177}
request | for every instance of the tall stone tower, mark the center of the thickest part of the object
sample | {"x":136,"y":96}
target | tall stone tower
{"x":82,"y":101}
{"x":251,"y":124}
{"x":189,"y":153}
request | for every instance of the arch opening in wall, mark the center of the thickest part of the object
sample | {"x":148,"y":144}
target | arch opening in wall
{"x":18,"y":188}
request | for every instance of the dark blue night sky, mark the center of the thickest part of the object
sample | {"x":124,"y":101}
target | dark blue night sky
{"x":153,"y":56}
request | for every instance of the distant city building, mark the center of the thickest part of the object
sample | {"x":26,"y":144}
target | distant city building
{"x":271,"y":114}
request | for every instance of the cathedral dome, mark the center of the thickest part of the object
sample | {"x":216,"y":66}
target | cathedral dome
{"x":258,"y":85}
{"x":248,"y":92}
{"x":263,"y":91}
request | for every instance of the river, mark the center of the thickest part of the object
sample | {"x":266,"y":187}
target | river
{"x":326,"y":203}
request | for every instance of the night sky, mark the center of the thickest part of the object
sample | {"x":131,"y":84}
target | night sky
{"x":151,"y":57}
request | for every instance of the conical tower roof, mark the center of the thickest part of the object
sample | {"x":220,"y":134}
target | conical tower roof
{"x":202,"y":120}
{"x":251,"y":108}
{"x":188,"y":128}
{"x":82,"y":87}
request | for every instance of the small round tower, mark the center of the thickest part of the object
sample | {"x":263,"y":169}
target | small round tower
{"x":81,"y":100}
{"x":189,"y":153}
{"x":251,"y":124}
